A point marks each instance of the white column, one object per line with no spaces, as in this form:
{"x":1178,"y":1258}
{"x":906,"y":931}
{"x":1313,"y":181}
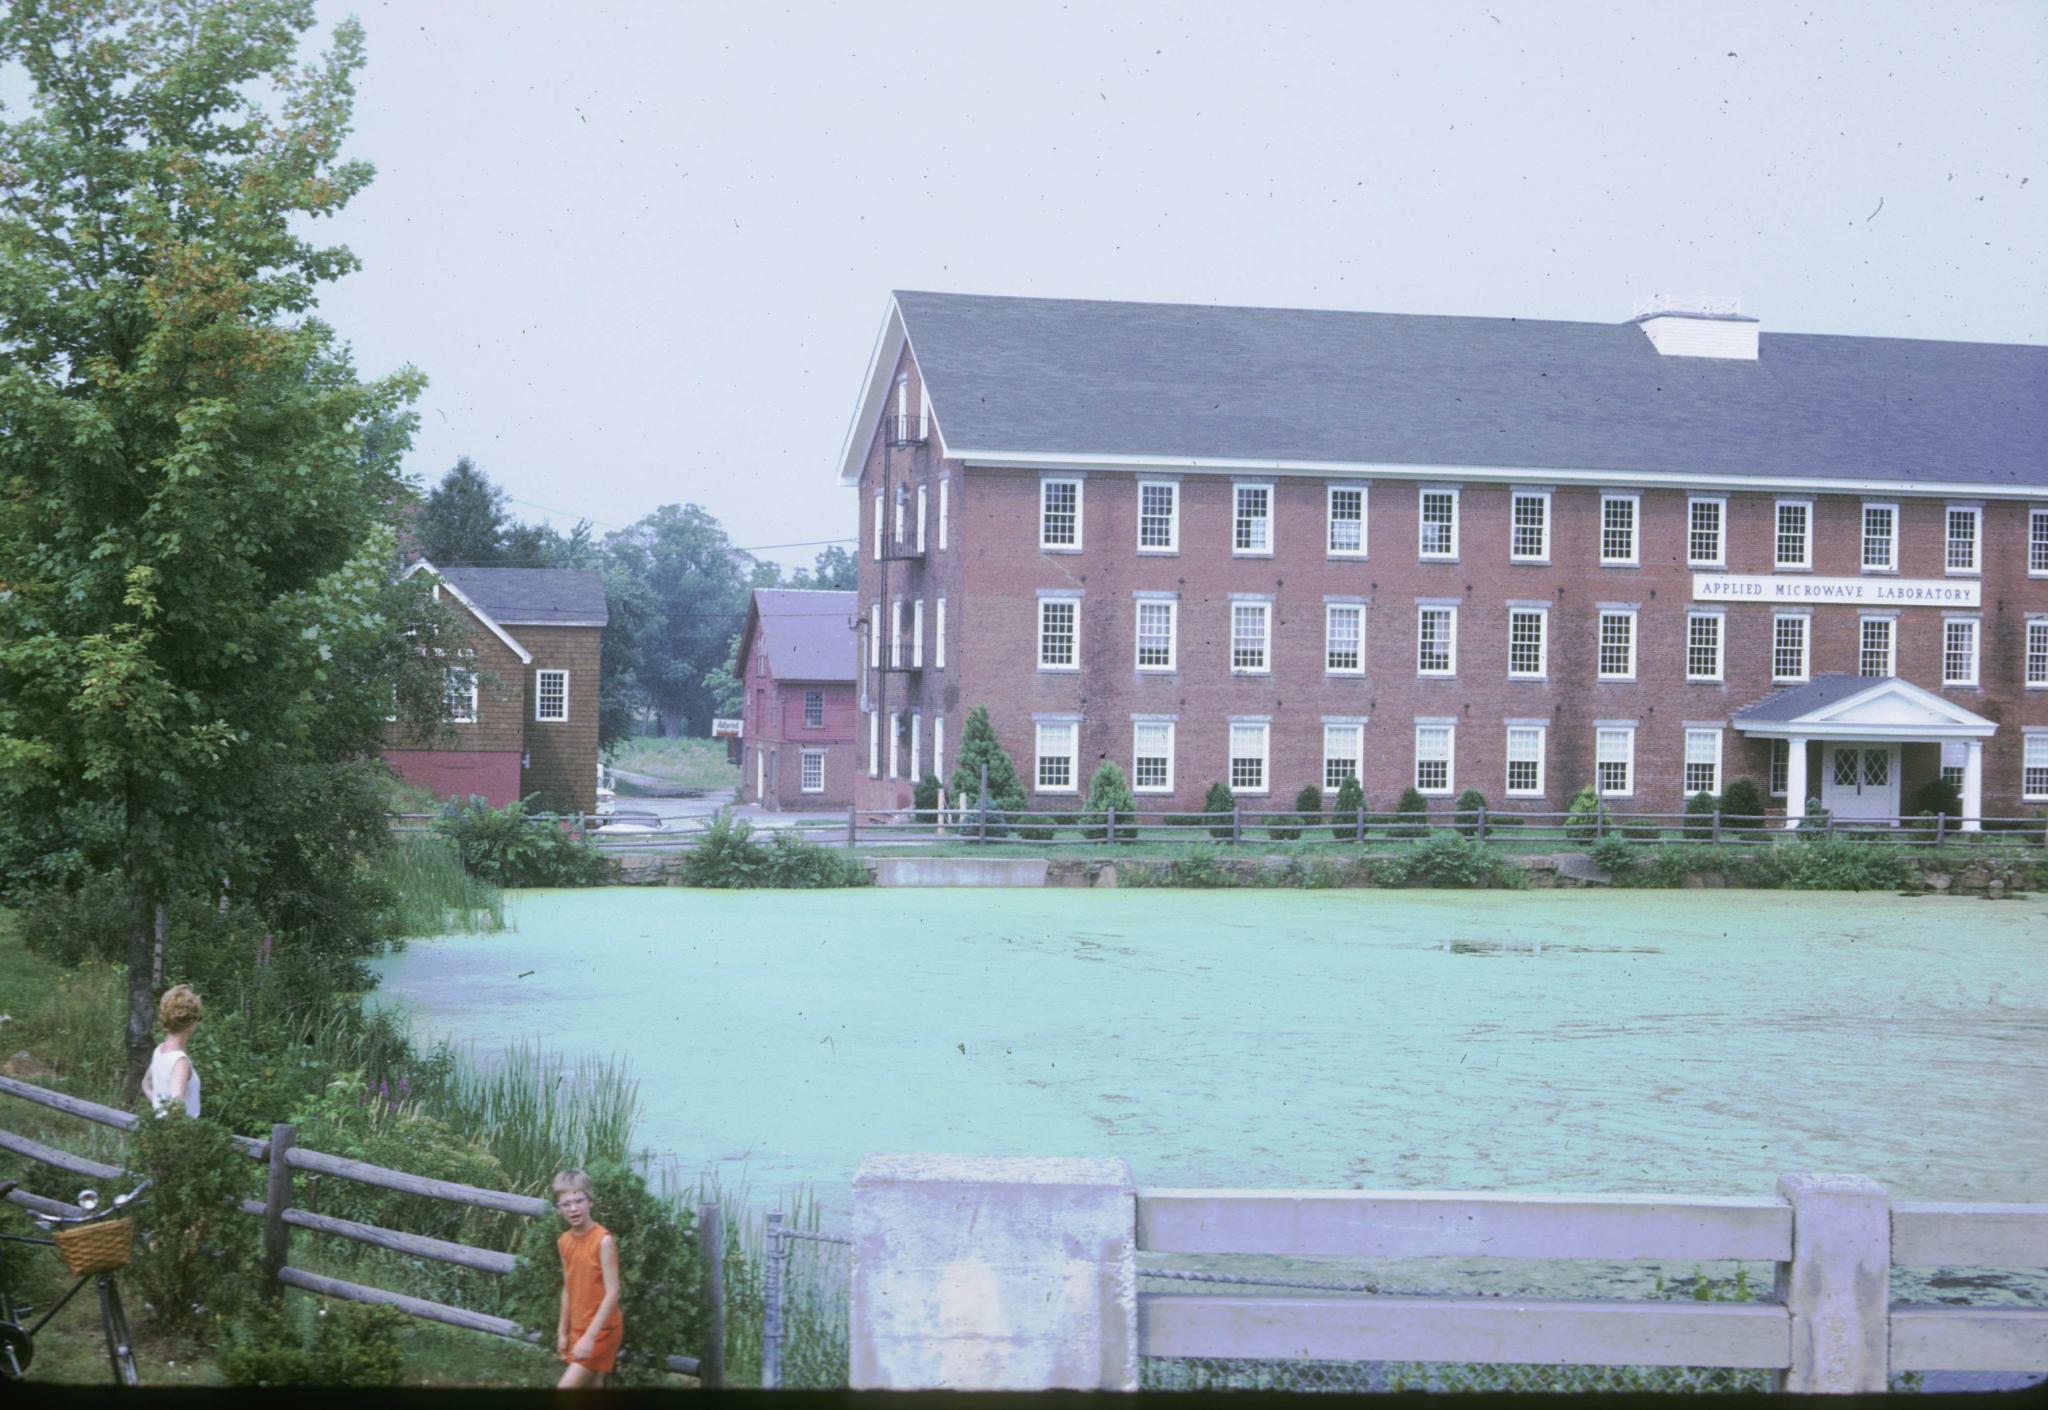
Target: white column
{"x":1973,"y":785}
{"x":994,"y":1273}
{"x":1795,"y":782}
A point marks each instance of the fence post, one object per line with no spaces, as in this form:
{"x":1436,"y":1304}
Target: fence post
{"x":1112,"y":825}
{"x":1599,"y":819}
{"x":277,"y":1198}
{"x":1361,"y":824}
{"x":1236,"y":823}
{"x":1717,"y":825}
{"x":851,"y":825}
{"x":1837,"y":1286}
{"x":711,"y":1240}
{"x":1940,"y":827}
{"x":1482,"y":822}
{"x":771,"y":1306}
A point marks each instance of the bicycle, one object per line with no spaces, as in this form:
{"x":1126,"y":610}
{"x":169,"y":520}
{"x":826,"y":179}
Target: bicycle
{"x":95,"y":1245}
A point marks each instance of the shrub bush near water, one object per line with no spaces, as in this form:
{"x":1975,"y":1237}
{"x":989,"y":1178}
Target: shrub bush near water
{"x":297,"y":1342}
{"x":508,"y":847}
{"x":198,"y":1258}
{"x":729,"y":858}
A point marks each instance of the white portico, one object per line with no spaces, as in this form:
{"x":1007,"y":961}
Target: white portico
{"x":1862,"y":725}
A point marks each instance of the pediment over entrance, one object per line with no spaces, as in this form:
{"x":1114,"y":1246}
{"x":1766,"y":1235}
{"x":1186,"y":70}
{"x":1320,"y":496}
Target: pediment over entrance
{"x":1861,"y":707}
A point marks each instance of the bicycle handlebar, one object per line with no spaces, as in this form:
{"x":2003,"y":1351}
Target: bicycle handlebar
{"x":91,"y":1214}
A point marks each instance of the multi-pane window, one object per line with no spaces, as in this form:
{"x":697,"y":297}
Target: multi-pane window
{"x":1058,"y":633}
{"x":1525,"y":760}
{"x":814,"y":709}
{"x":1875,"y":652}
{"x":1344,"y":638}
{"x":1965,"y":525}
{"x":458,"y":685}
{"x":1702,"y":761}
{"x":1252,"y":531}
{"x":2037,"y":541}
{"x":1880,"y":537}
{"x":1251,"y":636}
{"x":1959,"y":651}
{"x":1156,"y":616}
{"x":1703,"y":646}
{"x":1527,"y":649}
{"x":1158,"y":516}
{"x":1434,"y":745}
{"x":1781,"y":766}
{"x":1788,"y":646}
{"x":1059,"y":513}
{"x":2037,"y":651}
{"x":1795,"y":534}
{"x":1347,"y":520}
{"x":1057,"y":740}
{"x":1705,"y":541}
{"x":551,"y":695}
{"x":1614,"y":761}
{"x":1436,"y":641}
{"x":1343,"y":747}
{"x":811,"y":771}
{"x":1439,"y":524}
{"x":1152,"y":756}
{"x":2034,"y":769}
{"x":1248,"y":742}
{"x":1617,"y":645}
{"x":1618,"y":528}
{"x":1529,"y":527}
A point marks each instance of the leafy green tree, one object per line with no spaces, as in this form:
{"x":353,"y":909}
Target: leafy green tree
{"x":195,"y":534}
{"x":1350,"y":798}
{"x":690,"y":594}
{"x":463,"y":520}
{"x":728,"y":692}
{"x":979,"y":746}
{"x":1742,"y":806}
{"x":835,"y":570}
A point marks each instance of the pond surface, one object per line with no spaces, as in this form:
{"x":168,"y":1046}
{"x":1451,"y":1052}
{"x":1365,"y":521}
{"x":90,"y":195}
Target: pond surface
{"x":1694,"y":1042}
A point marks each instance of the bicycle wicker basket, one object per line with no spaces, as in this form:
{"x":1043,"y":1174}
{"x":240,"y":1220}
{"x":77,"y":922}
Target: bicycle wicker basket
{"x":97,"y":1248}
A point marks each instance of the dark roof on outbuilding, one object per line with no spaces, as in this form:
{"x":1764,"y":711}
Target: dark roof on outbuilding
{"x":809,"y":634}
{"x":1796,"y":701}
{"x":1083,"y":377}
{"x":533,"y":597}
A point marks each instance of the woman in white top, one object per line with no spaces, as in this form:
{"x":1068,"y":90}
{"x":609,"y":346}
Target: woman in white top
{"x":171,"y":1077}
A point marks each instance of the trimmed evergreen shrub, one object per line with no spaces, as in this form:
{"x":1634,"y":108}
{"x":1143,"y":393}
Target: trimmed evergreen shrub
{"x":1742,"y":807}
{"x":1308,"y":810}
{"x":924,"y":797}
{"x":1107,"y":790}
{"x":1699,"y":816}
{"x":1470,"y":802}
{"x":1344,"y":819}
{"x":1937,"y":795}
{"x":1580,"y":815}
{"x":1815,"y":824}
{"x":1411,"y":815}
{"x":978,"y":746}
{"x":1219,"y":799}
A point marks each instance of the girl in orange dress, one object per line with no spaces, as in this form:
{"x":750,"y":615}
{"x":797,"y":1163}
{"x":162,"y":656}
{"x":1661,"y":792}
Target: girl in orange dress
{"x":587,"y":1337}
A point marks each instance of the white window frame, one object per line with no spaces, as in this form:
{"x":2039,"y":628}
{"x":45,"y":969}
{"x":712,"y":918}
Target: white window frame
{"x":1172,"y":606}
{"x":805,"y":759}
{"x":1542,"y":616}
{"x":921,"y":505}
{"x":895,"y":744}
{"x":1634,"y":501}
{"x":1602,"y":736}
{"x":1330,"y":520}
{"x":896,"y":634}
{"x":1805,"y":620}
{"x":1238,"y":518}
{"x":452,"y":692}
{"x":1778,"y":559}
{"x":540,"y":695}
{"x":945,"y":483}
{"x":1172,"y":544}
{"x":1423,"y":494}
{"x":1450,"y":758}
{"x":901,"y":498}
{"x":1331,"y":610}
{"x":1542,"y":733}
{"x":1450,"y":669}
{"x":1975,"y":514}
{"x":916,"y":746}
{"x":1778,"y":771}
{"x":1686,"y":763}
{"x":939,"y":747}
{"x":1045,"y":484}
{"x":875,"y":635}
{"x":1041,"y":755}
{"x":1138,"y":727}
{"x":1354,"y":751}
{"x":1890,"y":622}
{"x":917,"y":632}
{"x":1891,"y":561}
{"x":1600,"y":671}
{"x":878,"y":526}
{"x":809,"y":696}
{"x":1264,"y":607}
{"x":874,"y":743}
{"x":1720,"y":505}
{"x":1264,"y":729}
{"x":1073,"y":605}
{"x":939,"y":634}
{"x":2034,"y":760}
{"x":2034,"y":653}
{"x":1720,"y":621}
{"x":2037,"y":542}
{"x":1541,"y":498}
{"x":1975,"y":626}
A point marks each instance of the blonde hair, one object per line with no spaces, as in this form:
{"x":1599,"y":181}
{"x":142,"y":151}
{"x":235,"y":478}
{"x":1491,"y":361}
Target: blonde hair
{"x":571,"y":1182}
{"x":179,"y":1011}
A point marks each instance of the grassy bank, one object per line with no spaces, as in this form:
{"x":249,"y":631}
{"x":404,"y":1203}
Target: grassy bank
{"x":682,"y":763}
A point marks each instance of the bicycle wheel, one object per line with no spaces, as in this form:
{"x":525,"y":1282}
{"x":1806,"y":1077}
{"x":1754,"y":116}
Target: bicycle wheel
{"x":120,"y":1351}
{"x":17,"y":1349}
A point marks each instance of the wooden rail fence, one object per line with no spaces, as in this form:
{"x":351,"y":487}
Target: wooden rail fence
{"x":283,"y":1156}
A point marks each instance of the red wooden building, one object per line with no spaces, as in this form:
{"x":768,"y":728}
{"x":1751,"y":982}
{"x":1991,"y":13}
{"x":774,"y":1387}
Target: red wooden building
{"x":796,"y":664}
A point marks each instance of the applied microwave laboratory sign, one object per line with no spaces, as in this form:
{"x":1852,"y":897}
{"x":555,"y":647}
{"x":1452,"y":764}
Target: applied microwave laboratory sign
{"x":1856,"y":592}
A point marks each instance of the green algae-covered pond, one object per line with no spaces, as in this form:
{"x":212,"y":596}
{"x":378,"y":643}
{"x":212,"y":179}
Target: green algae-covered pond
{"x":1590,"y":1041}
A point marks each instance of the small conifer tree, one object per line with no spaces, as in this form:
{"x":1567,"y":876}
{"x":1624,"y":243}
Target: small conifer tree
{"x":1219,"y":799}
{"x":1471,"y":803}
{"x":979,"y":746}
{"x":1350,"y":799}
{"x":1411,"y":813}
{"x":1107,"y":790}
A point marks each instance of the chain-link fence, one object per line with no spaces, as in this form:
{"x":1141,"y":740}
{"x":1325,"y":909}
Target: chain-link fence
{"x":806,"y":1285}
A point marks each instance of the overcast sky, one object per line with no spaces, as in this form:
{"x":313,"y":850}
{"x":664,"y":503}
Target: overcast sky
{"x":642,"y":250}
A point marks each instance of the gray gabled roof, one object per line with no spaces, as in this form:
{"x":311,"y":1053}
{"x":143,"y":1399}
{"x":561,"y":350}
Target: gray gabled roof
{"x":809,"y":634}
{"x":1797,"y":701}
{"x":533,"y":597}
{"x":1087,"y":378}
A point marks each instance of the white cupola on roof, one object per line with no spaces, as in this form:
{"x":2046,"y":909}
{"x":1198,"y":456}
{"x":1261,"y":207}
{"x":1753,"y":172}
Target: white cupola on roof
{"x":1698,"y":326}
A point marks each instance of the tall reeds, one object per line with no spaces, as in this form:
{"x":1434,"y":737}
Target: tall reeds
{"x":433,"y":894}
{"x":534,"y":1109}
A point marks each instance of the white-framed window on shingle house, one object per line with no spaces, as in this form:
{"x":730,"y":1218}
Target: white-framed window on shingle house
{"x":1346,"y":532}
{"x":1058,"y":742}
{"x":1880,"y":537}
{"x":1528,"y":641}
{"x":458,"y":683}
{"x":1438,"y":521}
{"x":1789,"y":640}
{"x":2037,"y":653}
{"x":1059,"y":632}
{"x":2037,"y":542}
{"x":551,"y":696}
{"x":1959,"y":650}
{"x":1252,"y":522}
{"x":1795,"y":534}
{"x":1158,"y":516}
{"x":1525,"y":759}
{"x":1151,"y":756}
{"x":1877,"y":645}
{"x":1343,"y":752}
{"x":1158,"y":616}
{"x":1251,"y":637}
{"x":1250,"y":753}
{"x":1617,"y":644}
{"x":1614,"y":760}
{"x":1059,"y":513}
{"x":1702,"y":761}
{"x":1703,"y":645}
{"x":1619,"y":513}
{"x":1706,"y":536}
{"x":1964,"y":546}
{"x":1435,"y":755}
{"x":1344,"y":638}
{"x":1529,"y":526}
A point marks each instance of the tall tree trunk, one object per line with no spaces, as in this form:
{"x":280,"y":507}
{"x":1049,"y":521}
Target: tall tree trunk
{"x":156,"y":959}
{"x":141,"y":994}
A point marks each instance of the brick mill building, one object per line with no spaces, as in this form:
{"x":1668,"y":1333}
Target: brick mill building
{"x":799,"y":721}
{"x":524,"y":702}
{"x":1276,"y":546}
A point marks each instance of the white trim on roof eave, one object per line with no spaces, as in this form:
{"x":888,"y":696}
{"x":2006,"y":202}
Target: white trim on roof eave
{"x":1895,"y":685}
{"x":853,"y":450}
{"x":525,"y":656}
{"x":1818,"y":730}
{"x":1062,"y":460}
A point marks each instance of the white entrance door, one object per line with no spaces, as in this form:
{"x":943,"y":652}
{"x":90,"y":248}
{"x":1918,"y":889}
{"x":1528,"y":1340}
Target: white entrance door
{"x":1860,"y":781}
